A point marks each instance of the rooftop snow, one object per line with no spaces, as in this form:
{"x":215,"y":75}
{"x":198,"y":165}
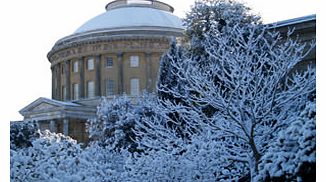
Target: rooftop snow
{"x":132,"y":16}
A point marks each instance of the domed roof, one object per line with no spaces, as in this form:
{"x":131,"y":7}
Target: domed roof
{"x":124,"y":19}
{"x":134,"y":15}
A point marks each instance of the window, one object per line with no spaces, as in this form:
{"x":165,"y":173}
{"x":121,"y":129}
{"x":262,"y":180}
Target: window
{"x":109,"y":62}
{"x":134,"y":87}
{"x":109,"y":87}
{"x":75,"y":88}
{"x":64,"y":93}
{"x":90,"y":89}
{"x":134,"y":61}
{"x":90,"y":63}
{"x":75,"y":66}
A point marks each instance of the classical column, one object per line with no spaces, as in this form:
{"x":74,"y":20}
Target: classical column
{"x":53,"y":127}
{"x":66,"y":127}
{"x":148,"y":72}
{"x":53,"y":82}
{"x":58,"y":68}
{"x":81,"y":78}
{"x":120,"y":74}
{"x":98,"y":75}
{"x":67,"y":79}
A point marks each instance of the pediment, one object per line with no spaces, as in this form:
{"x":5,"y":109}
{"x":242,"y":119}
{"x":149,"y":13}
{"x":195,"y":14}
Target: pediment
{"x":43,"y":106}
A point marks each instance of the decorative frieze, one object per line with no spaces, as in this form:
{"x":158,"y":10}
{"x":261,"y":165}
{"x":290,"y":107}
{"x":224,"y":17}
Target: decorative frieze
{"x":109,"y":47}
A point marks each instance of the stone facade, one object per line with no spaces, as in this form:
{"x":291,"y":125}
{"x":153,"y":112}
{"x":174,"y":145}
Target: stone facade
{"x":149,"y":51}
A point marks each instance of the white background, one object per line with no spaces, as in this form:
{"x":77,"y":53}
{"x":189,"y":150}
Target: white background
{"x":29,"y":29}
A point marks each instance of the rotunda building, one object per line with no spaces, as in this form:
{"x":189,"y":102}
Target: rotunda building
{"x":117,"y":52}
{"x":114,"y":53}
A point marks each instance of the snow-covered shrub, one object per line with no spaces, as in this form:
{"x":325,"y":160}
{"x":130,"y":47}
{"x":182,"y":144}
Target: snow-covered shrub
{"x":55,"y":157}
{"x":116,"y":119}
{"x":201,"y":159}
{"x":175,"y":164}
{"x":292,"y":156}
{"x":102,"y":163}
{"x":113,"y":123}
{"x":22,"y":133}
{"x":49,"y":157}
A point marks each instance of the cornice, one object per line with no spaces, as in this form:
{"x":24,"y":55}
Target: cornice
{"x":126,"y":33}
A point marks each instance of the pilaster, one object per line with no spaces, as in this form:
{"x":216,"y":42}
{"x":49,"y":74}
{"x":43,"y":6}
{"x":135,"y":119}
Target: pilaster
{"x":81,"y":78}
{"x":65,"y":127}
{"x":149,"y":80}
{"x":53,"y":127}
{"x":120,"y":72}
{"x":98,"y":75}
{"x":58,"y":89}
{"x":67,"y":80}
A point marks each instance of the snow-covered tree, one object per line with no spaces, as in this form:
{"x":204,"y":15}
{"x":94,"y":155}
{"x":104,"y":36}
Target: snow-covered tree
{"x":169,"y":78}
{"x":22,"y":133}
{"x":221,"y":13}
{"x":292,"y":155}
{"x":166,"y":74}
{"x":246,"y":86}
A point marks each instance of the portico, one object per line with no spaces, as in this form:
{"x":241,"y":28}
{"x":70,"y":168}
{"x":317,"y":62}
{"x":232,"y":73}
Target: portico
{"x":60,"y":117}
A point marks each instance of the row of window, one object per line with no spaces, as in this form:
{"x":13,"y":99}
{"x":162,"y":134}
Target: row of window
{"x":110,"y":88}
{"x":134,"y":62}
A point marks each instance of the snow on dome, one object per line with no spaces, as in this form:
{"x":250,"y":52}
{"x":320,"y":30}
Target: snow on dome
{"x":125,"y":15}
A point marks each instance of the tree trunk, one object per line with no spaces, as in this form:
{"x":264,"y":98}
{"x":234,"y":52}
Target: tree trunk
{"x":256,"y":153}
